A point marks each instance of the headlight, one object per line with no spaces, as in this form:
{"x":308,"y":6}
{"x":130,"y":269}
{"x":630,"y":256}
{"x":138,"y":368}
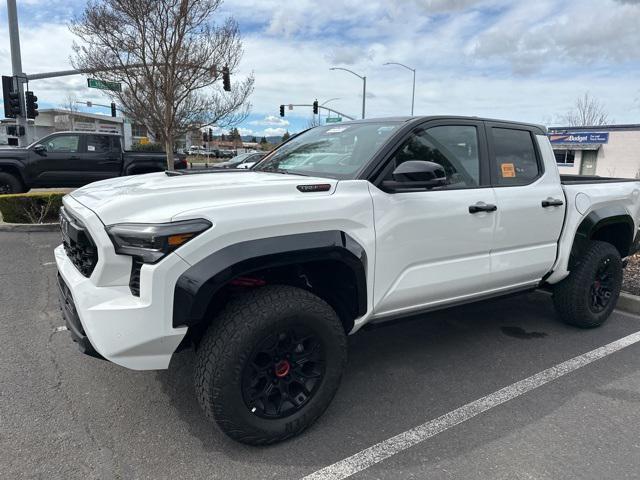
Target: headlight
{"x":152,"y":241}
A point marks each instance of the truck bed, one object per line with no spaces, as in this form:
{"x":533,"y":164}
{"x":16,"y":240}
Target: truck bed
{"x":589,"y":179}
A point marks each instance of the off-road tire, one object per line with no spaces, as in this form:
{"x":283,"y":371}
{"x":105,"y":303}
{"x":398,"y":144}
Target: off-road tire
{"x":11,"y":183}
{"x":229,"y":342}
{"x":572,"y":296}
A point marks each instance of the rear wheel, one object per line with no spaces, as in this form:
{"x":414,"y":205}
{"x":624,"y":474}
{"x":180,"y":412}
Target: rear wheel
{"x":10,"y":184}
{"x":589,"y":294}
{"x":271,"y":364}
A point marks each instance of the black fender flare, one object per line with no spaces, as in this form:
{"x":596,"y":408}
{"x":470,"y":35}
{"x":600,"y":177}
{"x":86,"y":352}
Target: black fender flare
{"x":8,"y":165}
{"x":595,"y":221}
{"x":199,"y":283}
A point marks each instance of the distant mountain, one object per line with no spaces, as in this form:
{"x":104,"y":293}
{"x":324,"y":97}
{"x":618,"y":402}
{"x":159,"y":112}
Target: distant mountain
{"x":248,"y":138}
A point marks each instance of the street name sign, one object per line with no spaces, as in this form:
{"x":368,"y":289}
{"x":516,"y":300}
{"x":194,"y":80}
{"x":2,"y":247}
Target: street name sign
{"x":102,"y":85}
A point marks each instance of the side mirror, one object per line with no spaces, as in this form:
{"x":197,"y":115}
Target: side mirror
{"x":416,"y":175}
{"x":39,"y":148}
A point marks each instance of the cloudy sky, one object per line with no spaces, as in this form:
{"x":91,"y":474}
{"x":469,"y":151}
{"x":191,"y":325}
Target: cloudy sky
{"x":519,"y":60}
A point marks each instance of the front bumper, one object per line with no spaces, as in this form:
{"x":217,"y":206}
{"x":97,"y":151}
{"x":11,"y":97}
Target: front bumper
{"x":135,"y":332}
{"x":102,"y":314}
{"x":72,"y":320}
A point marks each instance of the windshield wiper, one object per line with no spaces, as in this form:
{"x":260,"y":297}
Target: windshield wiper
{"x":283,"y":171}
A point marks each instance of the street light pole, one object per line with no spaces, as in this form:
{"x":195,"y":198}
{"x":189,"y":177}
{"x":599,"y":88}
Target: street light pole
{"x":327,"y":101}
{"x":364,"y":85}
{"x":413,"y":93}
{"x":364,"y":94}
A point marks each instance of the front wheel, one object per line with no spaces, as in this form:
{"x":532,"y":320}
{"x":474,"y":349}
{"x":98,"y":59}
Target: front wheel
{"x":10,"y":184}
{"x":589,"y":294}
{"x":271,"y":364}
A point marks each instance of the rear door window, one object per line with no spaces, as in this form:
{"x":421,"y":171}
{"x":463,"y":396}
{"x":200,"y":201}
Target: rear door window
{"x":115,"y":144}
{"x":98,"y":144}
{"x":514,"y":157}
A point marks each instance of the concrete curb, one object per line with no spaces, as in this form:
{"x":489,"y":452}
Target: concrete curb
{"x":629,"y":303}
{"x":29,"y":227}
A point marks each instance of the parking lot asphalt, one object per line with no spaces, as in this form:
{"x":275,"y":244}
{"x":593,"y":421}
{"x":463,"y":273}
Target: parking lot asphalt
{"x":65,"y":416}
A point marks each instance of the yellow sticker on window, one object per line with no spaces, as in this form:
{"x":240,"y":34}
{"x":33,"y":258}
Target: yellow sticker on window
{"x":508,"y":170}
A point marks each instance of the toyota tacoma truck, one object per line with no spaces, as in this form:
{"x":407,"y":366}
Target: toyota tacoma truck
{"x":264,"y":272}
{"x":72,"y":159}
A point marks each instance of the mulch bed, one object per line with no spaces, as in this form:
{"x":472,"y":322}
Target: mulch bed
{"x":631,"y":281}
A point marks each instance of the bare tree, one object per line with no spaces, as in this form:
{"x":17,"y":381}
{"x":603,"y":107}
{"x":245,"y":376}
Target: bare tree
{"x":169,"y":56}
{"x":314,"y":121}
{"x":70,"y":105}
{"x":587,"y":111}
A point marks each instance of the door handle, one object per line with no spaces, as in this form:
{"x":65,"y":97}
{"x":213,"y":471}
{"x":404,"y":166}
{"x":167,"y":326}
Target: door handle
{"x":482,"y":207}
{"x":552,"y":202}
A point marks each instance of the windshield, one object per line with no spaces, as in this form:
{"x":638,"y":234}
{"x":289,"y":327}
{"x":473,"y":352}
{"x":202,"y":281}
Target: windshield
{"x":240,"y":158}
{"x":336,"y":151}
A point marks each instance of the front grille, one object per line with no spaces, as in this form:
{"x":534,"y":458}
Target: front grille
{"x":134,"y":280}
{"x":78,"y":243}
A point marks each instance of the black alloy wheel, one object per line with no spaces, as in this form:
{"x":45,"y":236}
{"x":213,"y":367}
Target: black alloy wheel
{"x":283,"y":373}
{"x":270,"y":363}
{"x":589,"y":294}
{"x":602,"y":287}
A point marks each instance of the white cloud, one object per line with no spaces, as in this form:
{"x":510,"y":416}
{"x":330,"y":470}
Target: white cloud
{"x":245,"y":131}
{"x":273,"y":132}
{"x":534,"y":36}
{"x":500,"y":58}
{"x":270,"y":120}
{"x":349,"y":55}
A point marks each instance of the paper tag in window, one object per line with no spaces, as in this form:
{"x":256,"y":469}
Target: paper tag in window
{"x":508,"y":170}
{"x":91,"y":148}
{"x":336,"y":129}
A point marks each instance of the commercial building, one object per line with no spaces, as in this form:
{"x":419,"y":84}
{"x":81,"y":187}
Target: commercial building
{"x":606,"y":151}
{"x":52,"y":120}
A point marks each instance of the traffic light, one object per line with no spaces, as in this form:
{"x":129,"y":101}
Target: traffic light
{"x":210,"y":134}
{"x":32,"y":104}
{"x":15,"y":130}
{"x":315,"y":107}
{"x":113,"y":109}
{"x":12,"y":103}
{"x":282,"y":110}
{"x":226,"y":81}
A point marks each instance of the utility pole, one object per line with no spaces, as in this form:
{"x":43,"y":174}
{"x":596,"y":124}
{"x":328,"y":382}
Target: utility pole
{"x":16,"y":66}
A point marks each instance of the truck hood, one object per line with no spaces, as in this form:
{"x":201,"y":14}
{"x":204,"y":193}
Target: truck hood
{"x":158,"y":197}
{"x":13,"y":152}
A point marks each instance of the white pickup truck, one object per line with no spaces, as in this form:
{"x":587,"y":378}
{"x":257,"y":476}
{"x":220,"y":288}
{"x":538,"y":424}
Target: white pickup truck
{"x":265,"y":271}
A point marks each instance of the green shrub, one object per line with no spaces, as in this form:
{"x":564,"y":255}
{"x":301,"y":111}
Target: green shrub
{"x":148,"y":147}
{"x":31,"y":207}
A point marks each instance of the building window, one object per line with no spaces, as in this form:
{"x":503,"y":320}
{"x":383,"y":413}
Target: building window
{"x":138,"y":130}
{"x":565,"y":158}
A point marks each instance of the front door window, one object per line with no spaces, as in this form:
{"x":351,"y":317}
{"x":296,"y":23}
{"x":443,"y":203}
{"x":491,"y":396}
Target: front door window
{"x":63,"y":144}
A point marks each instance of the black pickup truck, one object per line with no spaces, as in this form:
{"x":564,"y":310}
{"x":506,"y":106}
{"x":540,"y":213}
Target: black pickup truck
{"x":73,"y":159}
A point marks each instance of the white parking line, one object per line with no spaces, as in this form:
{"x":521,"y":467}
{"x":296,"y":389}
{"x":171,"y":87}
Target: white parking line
{"x":387,"y":448}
